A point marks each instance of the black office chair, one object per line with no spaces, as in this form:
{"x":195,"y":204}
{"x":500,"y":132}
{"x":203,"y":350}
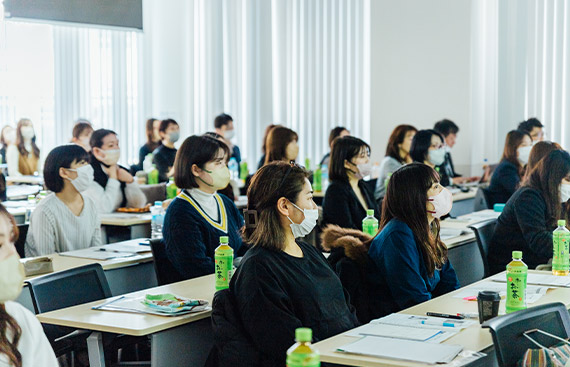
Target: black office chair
{"x":165,"y":271}
{"x":21,"y":241}
{"x":483,"y":233}
{"x":481,"y":199}
{"x":507,"y":331}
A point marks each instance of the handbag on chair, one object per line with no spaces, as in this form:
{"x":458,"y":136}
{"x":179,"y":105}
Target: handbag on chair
{"x":557,"y":355}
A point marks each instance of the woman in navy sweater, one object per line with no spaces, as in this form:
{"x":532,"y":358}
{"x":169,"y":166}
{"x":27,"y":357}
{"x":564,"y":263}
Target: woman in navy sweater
{"x":197,"y":218}
{"x":507,"y":175}
{"x":409,"y":260}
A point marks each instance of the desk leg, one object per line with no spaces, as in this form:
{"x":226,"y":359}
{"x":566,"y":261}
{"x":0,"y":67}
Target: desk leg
{"x":95,"y":350}
{"x":186,"y":345}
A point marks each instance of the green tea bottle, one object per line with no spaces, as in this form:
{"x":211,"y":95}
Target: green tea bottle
{"x":243,"y":171}
{"x":153,"y":176}
{"x":302,"y":353}
{"x":370,"y":223}
{"x":224,"y":262}
{"x":560,"y":241}
{"x":171,"y":189}
{"x":516,"y":283}
{"x":318,"y":179}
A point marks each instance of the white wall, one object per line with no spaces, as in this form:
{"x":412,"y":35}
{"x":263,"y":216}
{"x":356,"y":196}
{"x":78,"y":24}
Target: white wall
{"x":420,"y":69}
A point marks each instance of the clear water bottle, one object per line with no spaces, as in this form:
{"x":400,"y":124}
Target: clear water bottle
{"x":324,"y":176}
{"x":147,"y":163}
{"x":157,"y":220}
{"x":234,"y":169}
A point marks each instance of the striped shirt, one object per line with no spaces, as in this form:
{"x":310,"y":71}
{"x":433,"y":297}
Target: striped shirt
{"x":54,"y":228}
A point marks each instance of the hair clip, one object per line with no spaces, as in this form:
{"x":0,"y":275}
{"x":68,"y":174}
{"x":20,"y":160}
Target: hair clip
{"x":250,"y":217}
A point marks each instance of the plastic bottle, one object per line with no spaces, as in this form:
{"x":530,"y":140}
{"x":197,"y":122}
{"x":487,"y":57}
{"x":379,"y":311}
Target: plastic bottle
{"x":308,"y":164}
{"x":386,"y":180}
{"x":234,"y":169}
{"x":224,"y":260}
{"x":30,"y":208}
{"x":325,"y":176}
{"x":43,"y":194}
{"x":157,"y":220}
{"x":153,"y":176}
{"x":370,"y":223}
{"x":171,"y":189}
{"x":516,"y":283}
{"x":318,"y":179}
{"x":243,"y":171}
{"x":302,"y":353}
{"x":560,"y":242}
{"x":147,"y":163}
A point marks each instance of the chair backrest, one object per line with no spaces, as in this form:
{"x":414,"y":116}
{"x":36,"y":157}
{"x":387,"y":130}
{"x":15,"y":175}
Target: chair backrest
{"x":483,"y":233}
{"x":481,"y":200}
{"x":21,"y":241}
{"x":154,"y":192}
{"x":507,"y":331}
{"x":165,"y":271}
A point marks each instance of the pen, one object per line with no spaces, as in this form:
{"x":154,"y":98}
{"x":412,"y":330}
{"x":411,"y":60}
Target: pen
{"x":446,"y":316}
{"x":469,"y":315}
{"x":108,"y":250}
{"x":438,"y":323}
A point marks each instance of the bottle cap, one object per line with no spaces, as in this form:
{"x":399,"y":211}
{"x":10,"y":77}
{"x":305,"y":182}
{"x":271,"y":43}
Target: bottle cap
{"x":303,"y":334}
{"x":561,"y":223}
{"x":224,"y":239}
{"x":31,"y":197}
{"x":370,"y":212}
{"x":158,"y":203}
{"x":171,"y":179}
{"x":517,"y":254}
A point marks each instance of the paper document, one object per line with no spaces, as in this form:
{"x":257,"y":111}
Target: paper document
{"x":97,"y":253}
{"x":447,"y":233}
{"x":533,"y":292}
{"x":402,"y":332}
{"x":480,"y":216}
{"x":403,"y":350}
{"x":135,"y":305}
{"x":538,"y":279}
{"x":428,"y":322}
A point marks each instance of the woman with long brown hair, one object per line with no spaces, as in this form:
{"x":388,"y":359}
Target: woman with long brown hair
{"x":530,"y":216}
{"x":153,"y":141}
{"x":508,"y":174}
{"x":24,"y":157}
{"x":281,"y":145}
{"x":22,"y":340}
{"x":409,"y":260}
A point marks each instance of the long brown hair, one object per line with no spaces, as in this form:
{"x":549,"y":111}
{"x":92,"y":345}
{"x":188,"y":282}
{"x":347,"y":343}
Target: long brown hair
{"x":546,"y":178}
{"x":512,"y":141}
{"x":397,"y":137}
{"x":270,"y":183}
{"x":265,"y":135}
{"x":20,"y":140}
{"x":540,"y":150}
{"x":152,"y":145}
{"x":8,"y":325}
{"x":277,"y":140}
{"x":405,"y":200}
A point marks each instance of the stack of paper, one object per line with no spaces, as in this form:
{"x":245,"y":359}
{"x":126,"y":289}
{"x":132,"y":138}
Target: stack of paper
{"x":97,"y":253}
{"x":533,"y":292}
{"x":539,"y":279}
{"x":447,"y":233}
{"x":135,"y":305}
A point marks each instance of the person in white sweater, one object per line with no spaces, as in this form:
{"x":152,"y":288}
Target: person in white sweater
{"x":22,"y":339}
{"x":66,"y":219}
{"x":114,"y":186}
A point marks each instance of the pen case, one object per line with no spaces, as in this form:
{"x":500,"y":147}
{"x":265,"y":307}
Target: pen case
{"x":38,"y":265}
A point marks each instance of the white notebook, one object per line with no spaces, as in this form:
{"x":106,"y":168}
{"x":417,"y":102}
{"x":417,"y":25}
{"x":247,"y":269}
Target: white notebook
{"x":400,"y":349}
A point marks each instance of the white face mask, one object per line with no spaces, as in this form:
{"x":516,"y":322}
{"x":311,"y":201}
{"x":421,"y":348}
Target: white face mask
{"x":84,"y":178}
{"x":524,"y":153}
{"x":437,"y":156}
{"x":27,"y":132}
{"x":229,"y":134}
{"x":442,"y":203}
{"x":174,"y":136}
{"x":307,"y":225}
{"x":220,"y":178}
{"x":111,"y":156}
{"x":364,"y":169}
{"x":564,"y":192}
{"x":11,"y":278}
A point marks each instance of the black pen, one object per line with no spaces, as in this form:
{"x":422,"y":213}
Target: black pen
{"x":445,"y":315}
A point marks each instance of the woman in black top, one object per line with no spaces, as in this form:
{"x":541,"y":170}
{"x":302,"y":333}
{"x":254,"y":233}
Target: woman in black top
{"x":507,"y":175}
{"x":347,"y":198}
{"x":530,"y":216}
{"x":427,"y":148}
{"x":283,"y":283}
{"x":164,"y":155}
{"x":152,"y":142}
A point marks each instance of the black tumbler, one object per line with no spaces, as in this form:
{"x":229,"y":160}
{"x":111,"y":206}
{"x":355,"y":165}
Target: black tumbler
{"x":488,"y":303}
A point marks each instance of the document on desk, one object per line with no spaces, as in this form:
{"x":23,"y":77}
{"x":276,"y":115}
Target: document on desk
{"x":400,"y":349}
{"x":135,"y":305}
{"x":402,"y":332}
{"x":533,"y":292}
{"x":447,"y":233}
{"x":539,"y":279}
{"x":428,"y":322}
{"x":98,"y":253}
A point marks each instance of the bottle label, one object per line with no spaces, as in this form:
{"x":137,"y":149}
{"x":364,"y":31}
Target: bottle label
{"x":560,"y":256}
{"x":303,"y":360}
{"x":370,"y":227}
{"x":223,"y":269}
{"x":516,"y":288}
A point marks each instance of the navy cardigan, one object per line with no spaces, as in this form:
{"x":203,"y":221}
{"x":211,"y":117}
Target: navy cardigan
{"x":190,"y":236}
{"x":504,"y":183}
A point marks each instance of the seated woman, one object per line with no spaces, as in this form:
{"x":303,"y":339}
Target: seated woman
{"x":397,"y":154}
{"x":283,"y":283}
{"x":409,"y":260}
{"x":164,"y":155}
{"x":531,"y":214}
{"x":23,"y":158}
{"x":282,"y":145}
{"x":199,"y":216}
{"x":428,"y":148}
{"x":81,"y":134}
{"x":22,"y":339}
{"x":7,"y":138}
{"x":347,"y":198}
{"x":507,"y":176}
{"x":66,"y":219}
{"x":539,"y":150}
{"x":337,"y":132}
{"x":152,"y":142}
{"x":113,"y":186}
{"x":264,"y":145}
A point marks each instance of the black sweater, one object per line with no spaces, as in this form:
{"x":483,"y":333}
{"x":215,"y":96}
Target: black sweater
{"x":163,"y":158}
{"x":342,"y":207}
{"x":277,"y":293}
{"x":523,"y":226}
{"x":504,"y":183}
